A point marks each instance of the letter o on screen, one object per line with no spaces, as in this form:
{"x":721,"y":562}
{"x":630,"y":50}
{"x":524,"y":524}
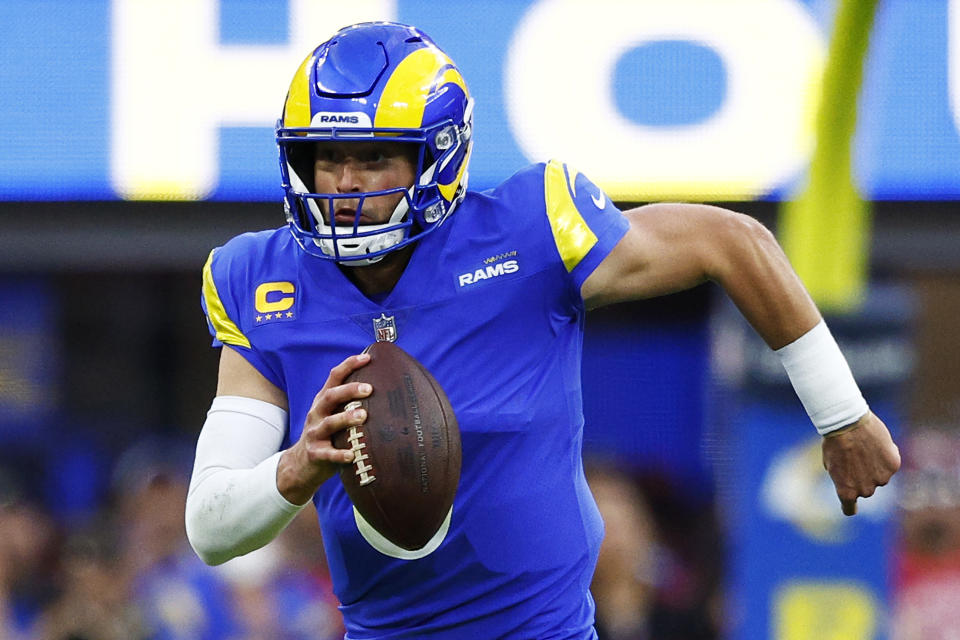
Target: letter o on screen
{"x":561,"y":102}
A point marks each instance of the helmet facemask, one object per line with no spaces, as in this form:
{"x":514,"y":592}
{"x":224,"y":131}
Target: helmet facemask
{"x":357,"y":243}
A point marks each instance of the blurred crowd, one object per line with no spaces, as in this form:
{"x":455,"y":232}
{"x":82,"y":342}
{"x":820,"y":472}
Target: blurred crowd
{"x":927,"y":560}
{"x":126,"y":572}
{"x":124,"y":569}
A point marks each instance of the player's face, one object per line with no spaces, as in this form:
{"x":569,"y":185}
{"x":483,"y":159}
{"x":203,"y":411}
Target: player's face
{"x":355,"y":167}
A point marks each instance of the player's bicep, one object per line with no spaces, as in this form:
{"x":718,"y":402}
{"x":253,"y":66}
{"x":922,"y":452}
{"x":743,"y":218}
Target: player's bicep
{"x":665,"y":249}
{"x":237,"y":377}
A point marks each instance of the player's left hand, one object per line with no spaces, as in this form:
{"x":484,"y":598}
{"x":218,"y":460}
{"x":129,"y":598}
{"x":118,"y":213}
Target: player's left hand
{"x":860,"y":458}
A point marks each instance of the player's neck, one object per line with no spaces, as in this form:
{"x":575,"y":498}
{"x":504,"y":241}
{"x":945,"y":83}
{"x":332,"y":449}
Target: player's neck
{"x":379,"y":277}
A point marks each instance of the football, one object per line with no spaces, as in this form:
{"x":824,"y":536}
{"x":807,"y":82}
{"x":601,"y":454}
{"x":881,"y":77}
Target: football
{"x":406,"y":464}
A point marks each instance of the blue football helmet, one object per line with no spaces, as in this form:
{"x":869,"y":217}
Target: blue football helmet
{"x":383,"y":80}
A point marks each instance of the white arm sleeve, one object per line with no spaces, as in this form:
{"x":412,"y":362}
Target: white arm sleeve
{"x":233,"y":505}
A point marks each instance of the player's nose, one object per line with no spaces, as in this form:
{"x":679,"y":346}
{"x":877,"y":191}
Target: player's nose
{"x":348,"y":176}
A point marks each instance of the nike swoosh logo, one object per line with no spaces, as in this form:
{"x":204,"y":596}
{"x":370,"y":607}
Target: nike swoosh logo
{"x":601,"y":202}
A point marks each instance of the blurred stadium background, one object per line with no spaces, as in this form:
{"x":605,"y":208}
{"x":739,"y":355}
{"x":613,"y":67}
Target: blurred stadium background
{"x":137,"y":135}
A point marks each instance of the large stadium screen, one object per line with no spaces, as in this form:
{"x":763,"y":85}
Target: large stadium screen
{"x":693,"y":99}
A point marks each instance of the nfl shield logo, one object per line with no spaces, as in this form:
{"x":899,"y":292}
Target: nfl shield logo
{"x":385,"y":328}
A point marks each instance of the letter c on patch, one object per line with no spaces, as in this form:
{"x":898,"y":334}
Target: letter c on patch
{"x":274,"y":296}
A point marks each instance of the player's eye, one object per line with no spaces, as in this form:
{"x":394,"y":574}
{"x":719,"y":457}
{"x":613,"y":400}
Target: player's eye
{"x":373,"y":156}
{"x":324,"y":155}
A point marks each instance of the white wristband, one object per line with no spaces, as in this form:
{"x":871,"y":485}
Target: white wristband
{"x":822,"y":380}
{"x":233,"y":505}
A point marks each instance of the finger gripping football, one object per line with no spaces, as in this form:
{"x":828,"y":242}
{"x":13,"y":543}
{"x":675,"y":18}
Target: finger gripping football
{"x":406,"y":464}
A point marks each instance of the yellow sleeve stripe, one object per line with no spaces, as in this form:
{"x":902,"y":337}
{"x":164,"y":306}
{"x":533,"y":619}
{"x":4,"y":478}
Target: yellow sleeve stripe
{"x":572,"y":235}
{"x":227,"y":331}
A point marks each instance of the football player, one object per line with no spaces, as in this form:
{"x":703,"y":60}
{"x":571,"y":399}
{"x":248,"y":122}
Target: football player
{"x":488,"y":290}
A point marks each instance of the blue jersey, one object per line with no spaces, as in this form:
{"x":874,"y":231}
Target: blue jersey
{"x":490,"y":304}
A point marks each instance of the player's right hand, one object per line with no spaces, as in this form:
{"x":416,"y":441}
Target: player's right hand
{"x":859,"y":459}
{"x":313,"y":459}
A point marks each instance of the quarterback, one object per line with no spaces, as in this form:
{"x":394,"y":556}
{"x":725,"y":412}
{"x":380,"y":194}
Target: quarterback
{"x":488,"y":290}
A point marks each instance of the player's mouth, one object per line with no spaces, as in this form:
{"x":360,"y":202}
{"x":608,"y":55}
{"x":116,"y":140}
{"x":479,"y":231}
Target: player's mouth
{"x":346,"y":216}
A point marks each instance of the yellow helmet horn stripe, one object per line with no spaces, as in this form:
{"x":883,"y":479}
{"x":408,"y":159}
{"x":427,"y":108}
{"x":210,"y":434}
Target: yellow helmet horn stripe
{"x":448,"y":191}
{"x":400,"y":109}
{"x":296,"y":111}
{"x":405,"y":95}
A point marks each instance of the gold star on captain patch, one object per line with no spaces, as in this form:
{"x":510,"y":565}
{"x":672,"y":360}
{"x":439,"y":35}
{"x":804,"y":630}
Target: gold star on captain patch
{"x":259,"y":318}
{"x":289,"y":314}
{"x":268,"y":316}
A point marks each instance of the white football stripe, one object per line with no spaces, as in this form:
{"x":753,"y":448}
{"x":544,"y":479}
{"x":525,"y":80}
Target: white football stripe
{"x":387,"y":548}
